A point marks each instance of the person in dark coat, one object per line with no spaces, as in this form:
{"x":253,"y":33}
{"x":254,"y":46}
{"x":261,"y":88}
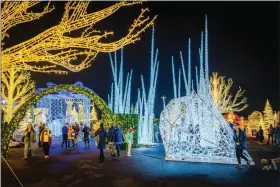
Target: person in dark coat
{"x":270,"y":134}
{"x":102,"y":133}
{"x":65,"y":135}
{"x":118,"y":140}
{"x":41,"y":128}
{"x":86,"y":134}
{"x":110,"y":134}
{"x":239,"y":138}
{"x":260,"y":135}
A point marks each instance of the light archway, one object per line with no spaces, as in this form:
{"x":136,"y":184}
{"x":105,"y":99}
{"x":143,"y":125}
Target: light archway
{"x":107,"y":115}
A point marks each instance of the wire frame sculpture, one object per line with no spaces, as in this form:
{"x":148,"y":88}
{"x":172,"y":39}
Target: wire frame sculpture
{"x":192,"y":129}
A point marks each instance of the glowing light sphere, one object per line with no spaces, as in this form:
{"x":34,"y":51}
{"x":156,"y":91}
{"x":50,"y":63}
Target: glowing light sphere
{"x":192,"y":129}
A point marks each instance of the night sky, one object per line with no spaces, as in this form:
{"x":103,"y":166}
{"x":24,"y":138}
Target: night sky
{"x":243,"y":45}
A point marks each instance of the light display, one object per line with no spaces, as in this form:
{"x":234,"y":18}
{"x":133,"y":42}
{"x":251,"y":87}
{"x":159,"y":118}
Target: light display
{"x":145,"y":103}
{"x":268,"y":118}
{"x":93,"y":114}
{"x":119,"y":100}
{"x":17,"y":87}
{"x":56,"y":45}
{"x":65,"y":107}
{"x":192,"y":128}
{"x":21,"y":112}
{"x":256,"y":120}
{"x":223,"y":99}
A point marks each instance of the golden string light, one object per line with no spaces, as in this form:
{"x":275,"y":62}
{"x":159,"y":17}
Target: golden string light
{"x":223,"y":99}
{"x":57,"y":49}
{"x":17,"y":87}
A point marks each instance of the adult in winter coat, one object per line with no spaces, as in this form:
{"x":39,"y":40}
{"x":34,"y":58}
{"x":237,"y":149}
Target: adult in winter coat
{"x":239,"y":138}
{"x":29,"y":140}
{"x":129,"y":140}
{"x":86,"y":134}
{"x":64,"y":135}
{"x":46,"y":141}
{"x":71,"y":136}
{"x":41,"y":128}
{"x":260,"y":135}
{"x":270,"y":134}
{"x":118,"y":140}
{"x":102,"y":133}
{"x":110,"y":134}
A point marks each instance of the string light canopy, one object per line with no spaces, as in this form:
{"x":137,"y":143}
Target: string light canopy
{"x":54,"y":50}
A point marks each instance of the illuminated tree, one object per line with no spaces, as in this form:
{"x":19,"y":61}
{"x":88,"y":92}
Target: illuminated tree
{"x":16,"y":89}
{"x":93,"y":115}
{"x":54,"y":50}
{"x":256,"y":120}
{"x":223,"y":99}
{"x":268,"y":117}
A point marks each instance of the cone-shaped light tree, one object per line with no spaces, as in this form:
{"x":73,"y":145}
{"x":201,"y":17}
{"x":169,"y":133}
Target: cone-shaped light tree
{"x":268,"y":118}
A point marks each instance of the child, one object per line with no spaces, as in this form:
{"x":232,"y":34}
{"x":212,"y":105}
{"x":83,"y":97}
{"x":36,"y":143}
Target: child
{"x":46,"y":141}
{"x":269,"y":164}
{"x":129,"y":140}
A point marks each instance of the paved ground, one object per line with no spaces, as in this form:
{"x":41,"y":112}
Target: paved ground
{"x":146,"y":167}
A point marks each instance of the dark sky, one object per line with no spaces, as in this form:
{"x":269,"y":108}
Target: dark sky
{"x":243,"y":45}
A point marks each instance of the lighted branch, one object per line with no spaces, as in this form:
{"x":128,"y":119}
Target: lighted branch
{"x":220,"y":92}
{"x":16,"y":88}
{"x":56,"y":46}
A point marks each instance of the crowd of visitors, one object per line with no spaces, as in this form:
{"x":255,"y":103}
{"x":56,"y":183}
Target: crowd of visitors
{"x":115,"y":137}
{"x":70,"y":135}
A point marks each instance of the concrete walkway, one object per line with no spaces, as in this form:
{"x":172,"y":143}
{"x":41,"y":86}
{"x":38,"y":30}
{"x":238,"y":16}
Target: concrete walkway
{"x":146,"y":167}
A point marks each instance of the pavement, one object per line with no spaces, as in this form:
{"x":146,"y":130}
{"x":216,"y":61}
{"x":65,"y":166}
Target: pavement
{"x":146,"y":167}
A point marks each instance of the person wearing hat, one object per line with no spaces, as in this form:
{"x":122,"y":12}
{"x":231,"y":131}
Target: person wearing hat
{"x":129,"y":140}
{"x":46,"y":141}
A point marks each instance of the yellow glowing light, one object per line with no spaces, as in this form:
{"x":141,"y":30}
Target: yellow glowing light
{"x":16,"y":89}
{"x":268,"y":117}
{"x":220,"y":92}
{"x":55,"y":46}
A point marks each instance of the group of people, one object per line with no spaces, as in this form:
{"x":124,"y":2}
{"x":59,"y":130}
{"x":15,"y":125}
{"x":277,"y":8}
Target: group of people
{"x":273,"y":135}
{"x":115,"y":138}
{"x":29,"y":138}
{"x":241,"y":146}
{"x":70,"y":135}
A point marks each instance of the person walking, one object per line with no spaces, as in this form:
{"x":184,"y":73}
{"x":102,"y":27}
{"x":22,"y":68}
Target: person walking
{"x":260,"y":135}
{"x":270,"y":134}
{"x":239,"y":138}
{"x":65,"y":135}
{"x":29,"y":140}
{"x":129,"y":140}
{"x":46,"y":140}
{"x":71,"y":136}
{"x":110,"y":134}
{"x":86,"y":134}
{"x":118,"y":140}
{"x":102,"y":133}
{"x":41,"y":128}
